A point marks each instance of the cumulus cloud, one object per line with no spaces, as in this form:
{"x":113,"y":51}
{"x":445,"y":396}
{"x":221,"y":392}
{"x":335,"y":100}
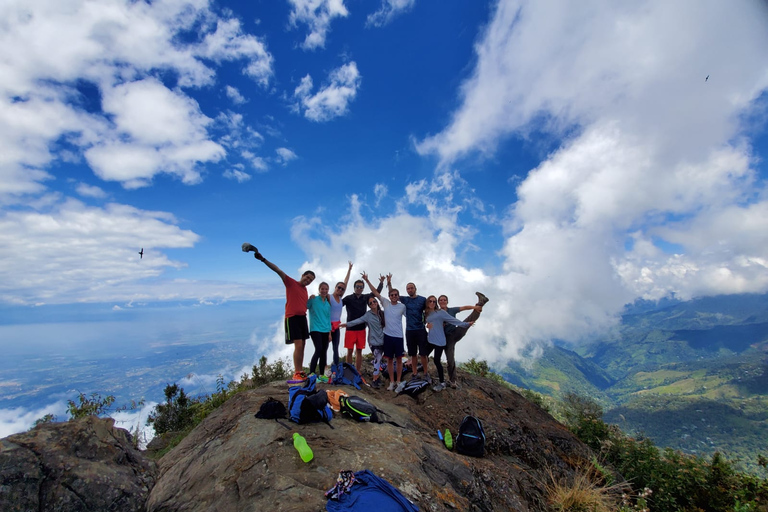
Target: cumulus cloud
{"x":113,"y":47}
{"x":86,"y":190}
{"x":333,"y":99}
{"x":155,"y":130}
{"x":237,"y":175}
{"x":317,"y":15}
{"x":653,"y":189}
{"x":285,"y":155}
{"x":388,"y":11}
{"x":234,"y":95}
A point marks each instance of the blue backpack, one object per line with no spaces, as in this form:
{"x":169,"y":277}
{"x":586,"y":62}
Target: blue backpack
{"x":347,"y":375}
{"x":370,"y":492}
{"x":307,"y":404}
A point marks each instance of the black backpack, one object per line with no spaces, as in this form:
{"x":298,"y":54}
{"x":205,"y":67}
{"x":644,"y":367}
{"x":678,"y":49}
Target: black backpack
{"x":471,"y":438}
{"x":358,"y":409}
{"x":272,"y":409}
{"x":414,"y":386}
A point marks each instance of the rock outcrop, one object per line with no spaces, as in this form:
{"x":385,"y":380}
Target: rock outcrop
{"x":236,"y":462}
{"x":79,"y":466}
{"x":233,"y":461}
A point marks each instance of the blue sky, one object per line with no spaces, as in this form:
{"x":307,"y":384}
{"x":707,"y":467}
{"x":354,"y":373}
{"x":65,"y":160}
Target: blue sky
{"x":566,"y":158}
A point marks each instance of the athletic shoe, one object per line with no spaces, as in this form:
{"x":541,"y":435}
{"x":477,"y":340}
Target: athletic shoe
{"x":323,"y":379}
{"x":391,"y":386}
{"x":481,"y":299}
{"x":400,"y":387}
{"x":298,"y":377}
{"x":375,"y":384}
{"x":439,"y":387}
{"x":454,"y":384}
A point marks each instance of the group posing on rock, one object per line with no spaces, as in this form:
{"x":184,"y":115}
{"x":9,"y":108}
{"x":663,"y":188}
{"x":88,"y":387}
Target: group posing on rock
{"x":431,"y":326}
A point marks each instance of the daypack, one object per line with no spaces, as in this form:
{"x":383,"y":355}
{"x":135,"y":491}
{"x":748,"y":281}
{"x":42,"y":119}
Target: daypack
{"x":272,"y":409}
{"x":358,"y":409}
{"x":471,"y":438}
{"x":347,"y":374}
{"x":306,"y":404}
{"x":333,"y":398}
{"x":414,"y":386}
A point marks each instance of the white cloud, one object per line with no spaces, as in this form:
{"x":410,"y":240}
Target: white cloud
{"x":14,"y":421}
{"x":234,"y":95}
{"x":285,"y":155}
{"x":155,"y":130}
{"x":653,"y":189}
{"x":388,"y":11}
{"x":333,"y":99}
{"x":109,"y":45}
{"x":237,"y":175}
{"x":86,"y":190}
{"x":257,"y":162}
{"x":317,"y":15}
{"x":380,"y":191}
{"x":73,"y":252}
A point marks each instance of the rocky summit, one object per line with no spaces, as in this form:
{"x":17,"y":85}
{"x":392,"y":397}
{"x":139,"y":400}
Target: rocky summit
{"x":233,"y":461}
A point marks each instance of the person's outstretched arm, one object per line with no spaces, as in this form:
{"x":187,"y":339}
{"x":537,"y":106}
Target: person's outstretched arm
{"x":271,"y":265}
{"x":374,"y":290}
{"x":346,"y":279}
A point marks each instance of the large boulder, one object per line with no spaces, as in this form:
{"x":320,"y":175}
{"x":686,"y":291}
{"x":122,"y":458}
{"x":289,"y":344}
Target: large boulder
{"x":235,"y":462}
{"x":79,"y":466}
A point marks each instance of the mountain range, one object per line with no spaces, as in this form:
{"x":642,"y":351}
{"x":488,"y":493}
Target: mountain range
{"x":689,"y":375}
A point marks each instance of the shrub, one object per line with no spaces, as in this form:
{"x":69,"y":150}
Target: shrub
{"x":481,"y":369}
{"x":94,"y":405}
{"x":580,"y":494}
{"x":264,"y":373}
{"x":175,"y":414}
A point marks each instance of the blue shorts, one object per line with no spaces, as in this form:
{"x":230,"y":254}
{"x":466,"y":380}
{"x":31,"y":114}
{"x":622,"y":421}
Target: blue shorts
{"x":393,"y":347}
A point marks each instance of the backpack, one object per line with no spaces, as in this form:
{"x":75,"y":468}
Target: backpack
{"x":333,"y":398}
{"x":471,"y":438}
{"x":358,"y":409}
{"x":414,"y":386}
{"x":347,"y":374}
{"x":306,"y":404}
{"x":272,"y":409}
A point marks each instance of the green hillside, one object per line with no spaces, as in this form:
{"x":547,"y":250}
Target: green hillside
{"x":691,"y":376}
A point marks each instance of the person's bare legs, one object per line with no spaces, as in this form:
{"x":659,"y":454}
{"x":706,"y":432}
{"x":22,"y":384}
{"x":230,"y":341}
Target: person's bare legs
{"x":359,"y":360}
{"x":400,"y":369}
{"x":425,"y":364}
{"x":414,"y":365}
{"x":349,"y":355}
{"x":298,"y":355}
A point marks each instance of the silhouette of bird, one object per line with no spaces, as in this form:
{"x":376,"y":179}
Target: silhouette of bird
{"x":141,"y":253}
{"x":706,"y":78}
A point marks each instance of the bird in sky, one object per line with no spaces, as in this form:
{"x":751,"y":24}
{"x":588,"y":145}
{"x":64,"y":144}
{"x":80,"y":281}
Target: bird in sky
{"x":706,"y":78}
{"x":141,"y":253}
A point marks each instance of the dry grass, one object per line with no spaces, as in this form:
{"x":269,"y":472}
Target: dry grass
{"x":581,"y":494}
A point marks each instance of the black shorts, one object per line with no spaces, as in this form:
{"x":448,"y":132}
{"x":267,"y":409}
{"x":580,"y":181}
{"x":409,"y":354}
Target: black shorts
{"x":296,"y":328}
{"x":417,"y":342}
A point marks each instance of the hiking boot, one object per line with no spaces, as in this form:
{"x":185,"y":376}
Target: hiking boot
{"x":481,"y":299}
{"x":400,"y":387}
{"x":454,"y":384}
{"x":375,"y":384}
{"x":391,"y":386}
{"x":249,"y":248}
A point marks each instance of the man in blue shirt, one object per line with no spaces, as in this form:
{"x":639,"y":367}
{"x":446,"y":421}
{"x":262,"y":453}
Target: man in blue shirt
{"x":415,"y":331}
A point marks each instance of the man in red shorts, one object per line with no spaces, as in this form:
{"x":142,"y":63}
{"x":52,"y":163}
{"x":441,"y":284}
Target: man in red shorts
{"x":356,"y":305}
{"x":296,"y":328}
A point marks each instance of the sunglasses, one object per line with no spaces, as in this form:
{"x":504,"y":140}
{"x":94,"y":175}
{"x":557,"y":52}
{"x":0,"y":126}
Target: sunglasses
{"x":371,"y":303}
{"x":358,"y":286}
{"x":340,"y":288}
{"x":431,"y":301}
{"x":394,"y":294}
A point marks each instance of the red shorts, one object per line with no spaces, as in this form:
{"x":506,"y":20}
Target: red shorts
{"x":354,"y":339}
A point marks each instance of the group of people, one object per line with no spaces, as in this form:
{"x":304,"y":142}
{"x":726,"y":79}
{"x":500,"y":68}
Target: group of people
{"x":431,"y":326}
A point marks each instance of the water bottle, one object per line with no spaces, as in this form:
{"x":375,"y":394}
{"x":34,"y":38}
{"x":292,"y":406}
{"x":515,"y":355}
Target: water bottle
{"x":302,"y":447}
{"x":448,"y":439}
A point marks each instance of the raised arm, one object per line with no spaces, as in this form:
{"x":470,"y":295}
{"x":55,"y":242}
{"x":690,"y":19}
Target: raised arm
{"x":269,"y":264}
{"x":346,"y":279}
{"x":374,"y":290}
{"x":389,"y":282}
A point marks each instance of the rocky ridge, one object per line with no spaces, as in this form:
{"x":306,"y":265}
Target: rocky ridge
{"x":233,"y":461}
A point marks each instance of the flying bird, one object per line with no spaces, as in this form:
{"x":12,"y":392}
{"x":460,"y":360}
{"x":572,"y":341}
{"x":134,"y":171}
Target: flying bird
{"x":706,"y":78}
{"x":141,"y":254}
